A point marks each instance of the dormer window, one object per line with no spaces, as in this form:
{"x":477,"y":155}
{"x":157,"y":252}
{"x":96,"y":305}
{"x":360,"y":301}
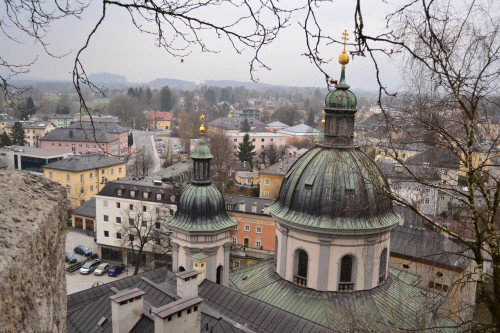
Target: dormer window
{"x":158,"y":196}
{"x":132,"y":194}
{"x":119,"y":192}
{"x":145,"y":195}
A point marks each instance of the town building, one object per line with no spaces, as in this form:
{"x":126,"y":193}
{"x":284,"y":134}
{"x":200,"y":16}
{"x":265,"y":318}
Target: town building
{"x":129,"y":211}
{"x":276,"y":126}
{"x":272,"y":177}
{"x":247,"y":113}
{"x":61,"y":120}
{"x":299,"y":135}
{"x":33,"y":131}
{"x":30,"y":159}
{"x":83,"y":137}
{"x":5,"y":120}
{"x":85,"y":175}
{"x":261,"y":140}
{"x":159,"y":120}
{"x":84,"y":216}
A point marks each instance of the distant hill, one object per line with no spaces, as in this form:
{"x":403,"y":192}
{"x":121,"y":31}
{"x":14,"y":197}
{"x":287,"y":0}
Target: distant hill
{"x":107,"y":78}
{"x":171,"y":83}
{"x":230,"y":83}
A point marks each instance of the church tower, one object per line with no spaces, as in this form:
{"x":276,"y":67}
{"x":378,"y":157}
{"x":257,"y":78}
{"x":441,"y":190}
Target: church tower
{"x":201,"y":228}
{"x":333,"y":221}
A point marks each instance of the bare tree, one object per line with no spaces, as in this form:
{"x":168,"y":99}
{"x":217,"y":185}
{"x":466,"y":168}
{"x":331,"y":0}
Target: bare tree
{"x":271,"y":154}
{"x":145,"y":230}
{"x":140,"y":164}
{"x":223,"y":157}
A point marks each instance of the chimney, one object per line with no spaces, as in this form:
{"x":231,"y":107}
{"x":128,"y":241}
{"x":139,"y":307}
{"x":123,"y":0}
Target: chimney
{"x":254,"y":207}
{"x":266,"y":209}
{"x":241,"y":206}
{"x":187,"y":284}
{"x":182,"y":316}
{"x":126,"y":309}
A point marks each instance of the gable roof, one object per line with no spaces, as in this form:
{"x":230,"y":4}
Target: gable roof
{"x":436,"y":157}
{"x":277,"y":124}
{"x":88,"y":161}
{"x":87,"y":209}
{"x":299,"y":130}
{"x":234,"y":123}
{"x":280,"y":167}
{"x":107,"y":126}
{"x":72,"y":134}
{"x":159,"y":115}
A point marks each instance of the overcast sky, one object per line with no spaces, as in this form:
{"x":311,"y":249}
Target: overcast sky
{"x":119,"y":48}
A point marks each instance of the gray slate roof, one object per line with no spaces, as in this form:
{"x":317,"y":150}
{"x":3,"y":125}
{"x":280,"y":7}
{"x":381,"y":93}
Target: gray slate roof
{"x":233,"y":203}
{"x":301,"y":129}
{"x":88,"y":161}
{"x":79,"y":135}
{"x":109,"y":127}
{"x":87,"y":209}
{"x":127,"y":184}
{"x":234,"y":123}
{"x":436,"y":157}
{"x":281,"y":167}
{"x":223,"y":309}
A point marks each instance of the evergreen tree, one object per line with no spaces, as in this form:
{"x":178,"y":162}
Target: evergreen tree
{"x":17,"y":134}
{"x":30,"y":105}
{"x":166,"y":100}
{"x":310,"y":118}
{"x":130,"y":139}
{"x":246,"y":150}
{"x":5,"y":140}
{"x":245,"y":126}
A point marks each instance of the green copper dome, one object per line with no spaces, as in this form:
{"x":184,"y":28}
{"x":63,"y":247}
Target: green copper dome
{"x":201,"y":151}
{"x":201,"y":209}
{"x":341,"y":98}
{"x":331,"y":189}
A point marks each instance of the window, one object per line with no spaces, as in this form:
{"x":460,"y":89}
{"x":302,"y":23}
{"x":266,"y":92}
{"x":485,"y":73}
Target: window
{"x":247,"y":227}
{"x":262,"y":140}
{"x":158,"y":196}
{"x":131,"y":207}
{"x":60,"y":145}
{"x":300,"y":267}
{"x":258,"y":244}
{"x":119,"y":235}
{"x":112,"y":171}
{"x":120,"y":170}
{"x":103,"y":172}
{"x":235,"y":140}
{"x":145,"y":195}
{"x":258,"y":229}
{"x":266,"y":181}
{"x":119,"y":192}
{"x":157,"y":225}
{"x":106,"y":218}
{"x":91,"y":187}
{"x":131,"y":221}
{"x":266,"y":194}
{"x":426,"y":200}
{"x":144,"y":208}
{"x":132,"y":194}
{"x":91,"y":175}
{"x":81,"y":179}
{"x":157,"y":209}
{"x":235,"y":240}
{"x":346,"y":269}
{"x":118,"y":220}
{"x":68,"y":178}
{"x":383,"y":266}
{"x":103,"y":181}
{"x":105,"y":203}
{"x":118,"y":205}
{"x":144,"y":223}
{"x":68,"y":189}
{"x":82,"y":190}
{"x":106,"y":233}
{"x":236,"y":264}
{"x":52,"y":144}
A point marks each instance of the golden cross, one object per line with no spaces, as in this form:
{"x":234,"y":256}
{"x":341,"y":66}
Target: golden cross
{"x":344,"y":37}
{"x":202,"y":119}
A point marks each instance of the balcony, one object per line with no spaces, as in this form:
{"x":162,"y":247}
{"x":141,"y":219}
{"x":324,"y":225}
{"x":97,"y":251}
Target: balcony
{"x":346,"y":286}
{"x":300,"y":280}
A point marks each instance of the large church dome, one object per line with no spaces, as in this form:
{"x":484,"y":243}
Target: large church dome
{"x":332,"y":189}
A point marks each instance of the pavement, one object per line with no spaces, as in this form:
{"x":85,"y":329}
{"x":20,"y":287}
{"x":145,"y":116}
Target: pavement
{"x":77,"y":282}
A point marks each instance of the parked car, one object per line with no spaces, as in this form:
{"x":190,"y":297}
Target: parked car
{"x":116,"y":270}
{"x":89,"y":266}
{"x":83,"y":250}
{"x":70,"y":258}
{"x":101,"y":269}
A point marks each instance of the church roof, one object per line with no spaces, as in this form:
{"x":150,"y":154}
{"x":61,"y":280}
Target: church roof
{"x":392,"y":307}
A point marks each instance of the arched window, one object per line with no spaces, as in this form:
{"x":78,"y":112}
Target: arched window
{"x":346,"y":273}
{"x":301,"y":263}
{"x":383,"y":266}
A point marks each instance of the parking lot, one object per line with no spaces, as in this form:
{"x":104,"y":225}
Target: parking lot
{"x":77,"y":282}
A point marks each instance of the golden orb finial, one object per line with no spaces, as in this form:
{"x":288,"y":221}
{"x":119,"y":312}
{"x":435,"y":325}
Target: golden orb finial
{"x":344,"y":57}
{"x":323,"y":121}
{"x":202,"y":125}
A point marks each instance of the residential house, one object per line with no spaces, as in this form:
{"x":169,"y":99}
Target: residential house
{"x":5,"y":120}
{"x":30,"y":159}
{"x":33,"y":131}
{"x":254,"y":236}
{"x":128,"y":201}
{"x":85,"y":175}
{"x":272,"y":177}
{"x":261,"y":140}
{"x":61,"y":120}
{"x":159,"y":120}
{"x":299,"y":135}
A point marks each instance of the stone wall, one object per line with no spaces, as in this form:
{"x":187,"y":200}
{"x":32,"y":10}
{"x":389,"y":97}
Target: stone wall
{"x":33,"y":215}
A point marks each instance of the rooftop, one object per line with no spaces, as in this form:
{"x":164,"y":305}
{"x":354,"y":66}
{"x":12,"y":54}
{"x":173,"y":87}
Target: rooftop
{"x":72,"y":134}
{"x":88,"y":161}
{"x":299,"y":130}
